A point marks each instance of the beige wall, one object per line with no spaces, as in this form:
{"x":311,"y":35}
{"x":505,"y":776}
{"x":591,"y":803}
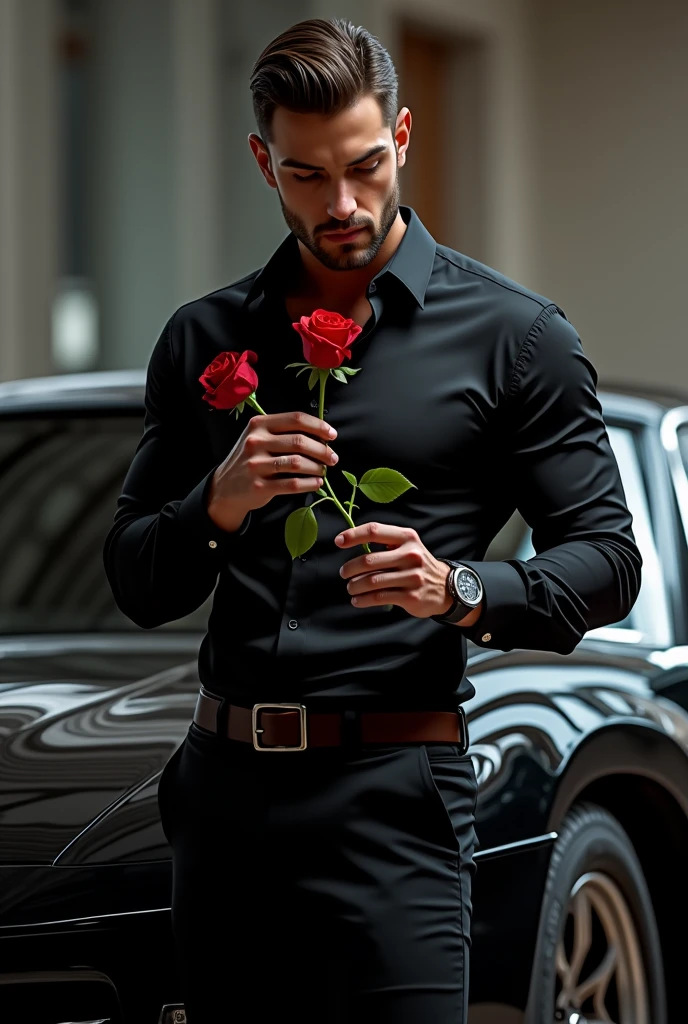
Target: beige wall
{"x":610,"y":171}
{"x":499,"y":26}
{"x":29,"y":190}
{"x":585,"y":153}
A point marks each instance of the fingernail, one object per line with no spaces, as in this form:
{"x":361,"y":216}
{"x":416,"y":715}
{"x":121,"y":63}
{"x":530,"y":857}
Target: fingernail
{"x":333,"y":432}
{"x":339,"y":539}
{"x":334,"y":457}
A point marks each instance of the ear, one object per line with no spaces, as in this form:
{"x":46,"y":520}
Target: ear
{"x":262,"y":155}
{"x":402,"y":134}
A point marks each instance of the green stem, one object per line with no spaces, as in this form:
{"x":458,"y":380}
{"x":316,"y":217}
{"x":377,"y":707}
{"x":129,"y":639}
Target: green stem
{"x":338,"y":503}
{"x":365,"y":546}
{"x":252,"y":401}
{"x":322,"y":376}
{"x":350,"y":503}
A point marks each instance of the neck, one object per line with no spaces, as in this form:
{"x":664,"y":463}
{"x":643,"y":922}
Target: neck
{"x":332,"y":287}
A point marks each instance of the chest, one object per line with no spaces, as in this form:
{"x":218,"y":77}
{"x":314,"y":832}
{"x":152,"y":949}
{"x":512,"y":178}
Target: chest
{"x":420,"y":402}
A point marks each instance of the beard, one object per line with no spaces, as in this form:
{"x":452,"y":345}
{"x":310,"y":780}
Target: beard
{"x":350,"y":256}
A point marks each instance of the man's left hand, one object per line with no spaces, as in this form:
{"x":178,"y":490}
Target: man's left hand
{"x":406,"y":574}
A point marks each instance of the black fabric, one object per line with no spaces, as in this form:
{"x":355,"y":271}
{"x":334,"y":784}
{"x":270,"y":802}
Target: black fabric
{"x":475,"y":388}
{"x":334,"y":886}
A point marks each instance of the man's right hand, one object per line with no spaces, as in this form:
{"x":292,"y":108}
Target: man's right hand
{"x":270,"y":446}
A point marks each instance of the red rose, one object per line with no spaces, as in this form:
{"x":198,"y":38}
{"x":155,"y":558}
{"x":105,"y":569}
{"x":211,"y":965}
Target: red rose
{"x":326,"y":338}
{"x":229,"y":379}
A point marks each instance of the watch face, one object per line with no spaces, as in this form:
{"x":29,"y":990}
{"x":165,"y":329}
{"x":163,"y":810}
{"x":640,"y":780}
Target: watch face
{"x":468,"y":586}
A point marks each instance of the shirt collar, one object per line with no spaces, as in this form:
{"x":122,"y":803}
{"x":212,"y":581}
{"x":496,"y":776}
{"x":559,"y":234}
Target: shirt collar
{"x":411,"y":264}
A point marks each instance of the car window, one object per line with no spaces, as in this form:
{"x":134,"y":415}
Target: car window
{"x":60,"y":478}
{"x":648,"y":620}
{"x":682,"y":435}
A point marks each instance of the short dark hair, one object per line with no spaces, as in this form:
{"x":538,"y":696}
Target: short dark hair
{"x":322,"y":66}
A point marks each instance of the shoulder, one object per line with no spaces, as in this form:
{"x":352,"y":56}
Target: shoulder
{"x":499,"y":300}
{"x":210,"y":311}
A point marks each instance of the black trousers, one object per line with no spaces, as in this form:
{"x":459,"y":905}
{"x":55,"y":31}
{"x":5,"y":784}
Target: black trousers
{"x":332,"y":884}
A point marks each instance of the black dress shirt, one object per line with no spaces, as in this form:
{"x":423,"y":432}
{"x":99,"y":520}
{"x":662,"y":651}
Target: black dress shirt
{"x":476,"y":389}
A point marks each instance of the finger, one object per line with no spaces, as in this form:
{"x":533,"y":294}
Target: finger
{"x":300,"y":444}
{"x":269,"y":465}
{"x":398,"y":558}
{"x":375,"y":533}
{"x":289,"y":484}
{"x":406,"y":579}
{"x":284,"y":422}
{"x":389,"y":595}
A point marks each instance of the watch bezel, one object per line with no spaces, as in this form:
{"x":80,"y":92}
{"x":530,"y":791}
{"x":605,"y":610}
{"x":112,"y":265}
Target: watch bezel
{"x":456,"y":594}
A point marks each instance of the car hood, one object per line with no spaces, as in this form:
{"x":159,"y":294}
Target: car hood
{"x":84,"y":722}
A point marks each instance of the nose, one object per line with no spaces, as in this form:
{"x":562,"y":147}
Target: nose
{"x":341,"y":204}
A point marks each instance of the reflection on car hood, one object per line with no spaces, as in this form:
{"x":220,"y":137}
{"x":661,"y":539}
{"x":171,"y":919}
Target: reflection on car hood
{"x":81,"y":726}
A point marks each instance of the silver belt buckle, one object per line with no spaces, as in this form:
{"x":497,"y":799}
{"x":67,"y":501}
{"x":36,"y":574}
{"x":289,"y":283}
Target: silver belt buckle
{"x":257,"y":708}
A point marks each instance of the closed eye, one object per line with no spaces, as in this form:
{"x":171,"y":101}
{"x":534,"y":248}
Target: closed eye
{"x":316,"y":174}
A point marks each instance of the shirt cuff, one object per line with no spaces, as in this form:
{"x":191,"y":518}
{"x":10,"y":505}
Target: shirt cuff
{"x":504,"y":606}
{"x":192,"y":516}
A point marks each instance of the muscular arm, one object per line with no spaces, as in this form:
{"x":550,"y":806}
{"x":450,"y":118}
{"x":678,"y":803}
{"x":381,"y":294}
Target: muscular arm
{"x":562,"y":471}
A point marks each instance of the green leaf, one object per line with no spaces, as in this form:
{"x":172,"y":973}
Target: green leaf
{"x":306,"y":367}
{"x":351,"y":478}
{"x":339,"y":375}
{"x":384,"y":484}
{"x":313,"y":379}
{"x":348,"y":370}
{"x":322,"y":491}
{"x":300,"y":531}
{"x":289,"y":365}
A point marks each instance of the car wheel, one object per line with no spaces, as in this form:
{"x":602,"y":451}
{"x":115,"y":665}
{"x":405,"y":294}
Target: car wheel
{"x":598,"y":955}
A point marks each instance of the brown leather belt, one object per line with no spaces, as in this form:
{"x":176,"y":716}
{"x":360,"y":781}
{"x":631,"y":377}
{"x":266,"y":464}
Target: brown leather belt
{"x":289,"y":727}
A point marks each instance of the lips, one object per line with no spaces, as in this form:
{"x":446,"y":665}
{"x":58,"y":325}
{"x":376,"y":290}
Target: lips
{"x":344,"y":236}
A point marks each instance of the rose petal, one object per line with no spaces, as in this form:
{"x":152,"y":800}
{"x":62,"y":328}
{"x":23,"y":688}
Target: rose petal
{"x":230,"y":379}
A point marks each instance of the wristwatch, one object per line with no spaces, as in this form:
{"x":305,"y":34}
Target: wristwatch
{"x":465,"y":588}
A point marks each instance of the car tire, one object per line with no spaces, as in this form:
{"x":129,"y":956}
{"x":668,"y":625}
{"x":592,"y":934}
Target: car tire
{"x":596,"y":898}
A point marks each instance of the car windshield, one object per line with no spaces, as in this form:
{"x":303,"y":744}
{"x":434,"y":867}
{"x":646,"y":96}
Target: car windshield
{"x":60,"y":477}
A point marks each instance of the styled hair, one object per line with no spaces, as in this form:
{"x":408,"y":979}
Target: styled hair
{"x":322,"y":66}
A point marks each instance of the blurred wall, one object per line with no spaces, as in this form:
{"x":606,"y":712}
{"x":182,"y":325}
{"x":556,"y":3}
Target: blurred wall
{"x":610,"y":169}
{"x":125,"y":169}
{"x":29,"y":201}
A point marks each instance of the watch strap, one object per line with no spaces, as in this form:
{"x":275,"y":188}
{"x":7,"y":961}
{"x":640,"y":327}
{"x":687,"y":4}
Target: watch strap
{"x":459,"y":609}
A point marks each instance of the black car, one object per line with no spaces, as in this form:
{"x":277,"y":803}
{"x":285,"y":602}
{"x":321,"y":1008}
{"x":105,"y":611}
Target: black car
{"x":582,"y":760}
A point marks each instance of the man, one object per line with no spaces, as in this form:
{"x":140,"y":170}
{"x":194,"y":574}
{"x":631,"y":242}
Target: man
{"x":334,"y":881}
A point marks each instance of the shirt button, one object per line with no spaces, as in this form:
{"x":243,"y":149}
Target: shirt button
{"x":373,"y":288}
{"x":212,"y":543}
{"x":293,"y":623}
{"x":314,"y":405}
{"x":486,"y":637}
{"x":304,"y":558}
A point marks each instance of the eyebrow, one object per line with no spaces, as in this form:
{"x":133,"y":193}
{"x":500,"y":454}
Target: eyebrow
{"x":289,"y":162}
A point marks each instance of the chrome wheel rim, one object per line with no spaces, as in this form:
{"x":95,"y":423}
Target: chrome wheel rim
{"x":601,"y":976}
